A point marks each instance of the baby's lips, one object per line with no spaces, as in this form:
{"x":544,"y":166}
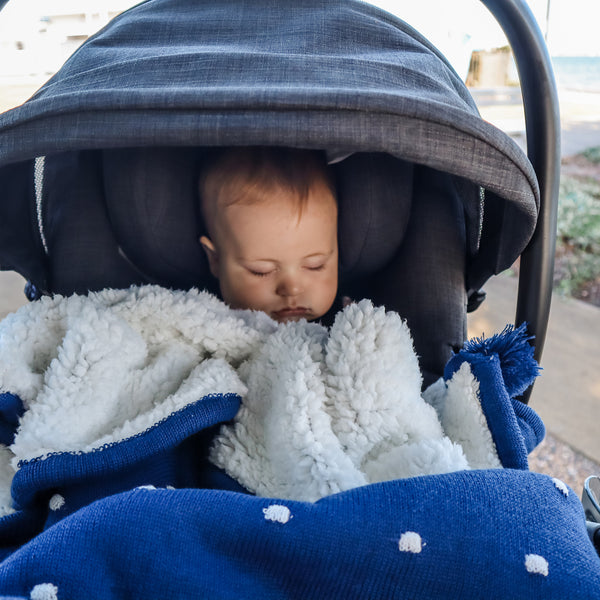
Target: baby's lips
{"x":292,"y":313}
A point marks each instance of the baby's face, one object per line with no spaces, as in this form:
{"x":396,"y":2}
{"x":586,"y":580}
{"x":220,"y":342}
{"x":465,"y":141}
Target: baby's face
{"x":267,"y":258}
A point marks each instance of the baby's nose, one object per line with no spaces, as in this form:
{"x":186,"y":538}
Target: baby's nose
{"x":289,"y":286}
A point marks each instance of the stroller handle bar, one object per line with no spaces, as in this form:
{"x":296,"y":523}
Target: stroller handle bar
{"x":542,"y":123}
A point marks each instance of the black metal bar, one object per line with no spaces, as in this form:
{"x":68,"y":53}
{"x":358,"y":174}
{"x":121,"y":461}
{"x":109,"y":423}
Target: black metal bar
{"x":542,"y":123}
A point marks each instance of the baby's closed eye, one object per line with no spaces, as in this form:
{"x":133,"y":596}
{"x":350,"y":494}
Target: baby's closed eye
{"x":260,"y":273}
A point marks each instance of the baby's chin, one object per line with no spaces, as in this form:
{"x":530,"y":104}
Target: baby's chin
{"x":293,"y":319}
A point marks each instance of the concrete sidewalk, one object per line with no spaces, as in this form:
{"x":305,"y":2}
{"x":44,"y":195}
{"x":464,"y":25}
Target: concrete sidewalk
{"x":579,"y":116}
{"x":11,"y":292}
{"x":567,"y":394}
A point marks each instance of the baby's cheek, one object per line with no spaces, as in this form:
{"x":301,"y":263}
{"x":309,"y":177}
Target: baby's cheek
{"x":254,"y":294}
{"x":326,"y":297}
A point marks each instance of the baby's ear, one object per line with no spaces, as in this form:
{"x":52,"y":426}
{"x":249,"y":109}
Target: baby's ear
{"x":211,"y":254}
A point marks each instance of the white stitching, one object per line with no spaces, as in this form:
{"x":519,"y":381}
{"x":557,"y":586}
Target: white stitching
{"x":38,"y":183}
{"x":536,"y":564}
{"x":277,"y":513}
{"x":410,"y":541}
{"x":561,"y":486}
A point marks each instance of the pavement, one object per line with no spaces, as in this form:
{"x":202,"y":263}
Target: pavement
{"x":579,"y":115}
{"x":567,"y":395}
{"x":12,"y":296}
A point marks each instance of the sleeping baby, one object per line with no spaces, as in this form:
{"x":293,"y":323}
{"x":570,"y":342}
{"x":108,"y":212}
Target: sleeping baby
{"x":271,"y":215}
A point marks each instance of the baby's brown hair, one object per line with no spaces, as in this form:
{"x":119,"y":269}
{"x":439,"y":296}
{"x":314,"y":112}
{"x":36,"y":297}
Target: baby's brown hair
{"x":249,"y":174}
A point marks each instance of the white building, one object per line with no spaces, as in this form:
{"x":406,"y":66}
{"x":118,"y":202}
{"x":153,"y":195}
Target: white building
{"x":37,"y":36}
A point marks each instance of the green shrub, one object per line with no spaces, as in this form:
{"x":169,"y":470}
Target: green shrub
{"x":592,"y":154}
{"x":579,"y":214}
{"x":578,"y":240}
{"x":574,"y":271}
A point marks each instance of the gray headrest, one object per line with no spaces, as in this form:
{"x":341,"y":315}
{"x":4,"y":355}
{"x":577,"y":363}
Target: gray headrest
{"x":152,"y":202}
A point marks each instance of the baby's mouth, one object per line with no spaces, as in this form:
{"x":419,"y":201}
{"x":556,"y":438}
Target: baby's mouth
{"x":292,"y":314}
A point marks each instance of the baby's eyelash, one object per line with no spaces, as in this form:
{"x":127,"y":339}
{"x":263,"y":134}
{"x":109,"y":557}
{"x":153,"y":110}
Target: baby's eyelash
{"x":263,"y":274}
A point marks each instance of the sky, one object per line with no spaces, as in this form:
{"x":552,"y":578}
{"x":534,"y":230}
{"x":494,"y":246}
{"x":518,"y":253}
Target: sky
{"x":572,"y":29}
{"x":573,"y":24}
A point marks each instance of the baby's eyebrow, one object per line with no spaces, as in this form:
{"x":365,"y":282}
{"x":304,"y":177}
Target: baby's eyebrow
{"x":319,"y":254}
{"x":255,"y":260}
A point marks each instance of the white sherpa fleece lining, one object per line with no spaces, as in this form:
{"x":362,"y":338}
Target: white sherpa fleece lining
{"x":99,"y":369}
{"x":323,"y":411}
{"x":330,"y":410}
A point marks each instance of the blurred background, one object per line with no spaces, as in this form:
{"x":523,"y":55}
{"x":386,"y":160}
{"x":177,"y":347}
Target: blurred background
{"x":36,"y":37}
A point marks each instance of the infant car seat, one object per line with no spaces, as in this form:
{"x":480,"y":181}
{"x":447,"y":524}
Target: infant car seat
{"x":98,"y":189}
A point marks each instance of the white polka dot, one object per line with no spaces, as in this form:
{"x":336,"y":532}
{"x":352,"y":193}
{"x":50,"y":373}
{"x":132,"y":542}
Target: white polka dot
{"x":536,"y":564}
{"x":277,"y":513}
{"x":561,"y":486}
{"x":44,"y":591}
{"x":410,"y":542}
{"x":56,"y":502}
{"x":145,"y":487}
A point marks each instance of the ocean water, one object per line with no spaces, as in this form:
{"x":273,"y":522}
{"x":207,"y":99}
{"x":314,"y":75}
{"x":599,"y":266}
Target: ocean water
{"x":577,"y":72}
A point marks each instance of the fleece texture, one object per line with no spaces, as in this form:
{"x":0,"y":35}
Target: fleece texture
{"x":81,"y":373}
{"x":323,"y":411}
{"x":327,"y":411}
